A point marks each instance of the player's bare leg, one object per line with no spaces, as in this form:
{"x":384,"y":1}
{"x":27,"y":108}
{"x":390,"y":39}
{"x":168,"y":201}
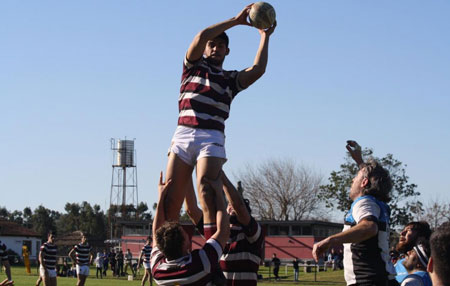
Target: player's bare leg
{"x":210,"y":168}
{"x":180,"y":173}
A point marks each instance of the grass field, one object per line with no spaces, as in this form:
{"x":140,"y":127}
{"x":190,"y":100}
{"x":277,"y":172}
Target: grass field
{"x":328,"y":278}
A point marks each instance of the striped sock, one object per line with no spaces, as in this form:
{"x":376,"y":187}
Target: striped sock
{"x":209,"y":230}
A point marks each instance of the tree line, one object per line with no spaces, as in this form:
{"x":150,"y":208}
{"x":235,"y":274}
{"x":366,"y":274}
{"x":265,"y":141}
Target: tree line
{"x":83,"y":216}
{"x":278,"y":190}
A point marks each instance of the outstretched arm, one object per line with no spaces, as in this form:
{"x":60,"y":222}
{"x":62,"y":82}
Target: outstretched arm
{"x":235,"y":198}
{"x":160,"y":217}
{"x":198,"y":44}
{"x":364,"y":230}
{"x":355,"y":151}
{"x":253,"y":73}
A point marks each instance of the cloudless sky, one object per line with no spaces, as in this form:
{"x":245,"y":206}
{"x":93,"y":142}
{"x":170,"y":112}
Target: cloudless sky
{"x":74,"y":74}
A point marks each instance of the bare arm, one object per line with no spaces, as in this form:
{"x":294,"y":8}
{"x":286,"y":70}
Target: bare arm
{"x":139,"y":259}
{"x":160,"y":217}
{"x":190,"y":203}
{"x":234,"y":197}
{"x":364,"y":230}
{"x":198,"y":44}
{"x":355,"y":151}
{"x":41,"y":259}
{"x":72,"y":255}
{"x":253,"y":73}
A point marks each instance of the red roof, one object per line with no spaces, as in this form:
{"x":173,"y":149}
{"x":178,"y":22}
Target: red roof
{"x":9,"y":228}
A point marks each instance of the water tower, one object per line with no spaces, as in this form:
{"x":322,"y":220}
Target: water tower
{"x":124,"y":190}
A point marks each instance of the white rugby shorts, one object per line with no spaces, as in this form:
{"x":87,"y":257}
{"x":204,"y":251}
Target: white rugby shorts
{"x":146,"y":265}
{"x":191,"y":144}
{"x":83,"y":270}
{"x":51,"y":272}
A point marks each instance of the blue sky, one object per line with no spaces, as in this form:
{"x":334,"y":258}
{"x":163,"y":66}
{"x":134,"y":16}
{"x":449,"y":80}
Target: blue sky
{"x":74,"y":74}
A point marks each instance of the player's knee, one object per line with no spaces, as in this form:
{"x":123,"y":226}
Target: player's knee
{"x":206,"y":195}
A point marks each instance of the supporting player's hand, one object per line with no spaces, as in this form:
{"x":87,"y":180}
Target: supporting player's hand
{"x":320,"y":248}
{"x":355,"y":151}
{"x":241,"y":18}
{"x":163,"y":186}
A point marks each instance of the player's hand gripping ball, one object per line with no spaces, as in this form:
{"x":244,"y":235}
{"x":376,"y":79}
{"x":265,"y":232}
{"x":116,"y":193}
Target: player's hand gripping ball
{"x":262,"y":15}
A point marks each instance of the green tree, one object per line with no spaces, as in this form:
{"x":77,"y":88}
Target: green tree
{"x":70,"y":220}
{"x":144,"y":212}
{"x":84,"y":217}
{"x":16,"y":216}
{"x":4,"y":213}
{"x":403,"y":195}
{"x":44,"y":221}
{"x":27,"y":214}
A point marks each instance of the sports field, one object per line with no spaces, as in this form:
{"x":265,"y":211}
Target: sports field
{"x":330,"y":278}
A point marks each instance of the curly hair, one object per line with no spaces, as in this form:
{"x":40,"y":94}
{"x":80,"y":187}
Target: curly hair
{"x":380,"y":183}
{"x":169,"y":239}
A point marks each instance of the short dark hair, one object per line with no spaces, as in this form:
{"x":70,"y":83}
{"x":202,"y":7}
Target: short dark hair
{"x":224,"y":37}
{"x":422,"y":228}
{"x":169,"y":239}
{"x":440,"y":252}
{"x":380,"y":183}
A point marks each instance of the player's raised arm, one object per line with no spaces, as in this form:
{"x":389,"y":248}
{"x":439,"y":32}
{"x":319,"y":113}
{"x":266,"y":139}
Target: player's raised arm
{"x":160,"y":218}
{"x":250,"y":75}
{"x":236,"y":201}
{"x":355,"y":151}
{"x":198,"y":44}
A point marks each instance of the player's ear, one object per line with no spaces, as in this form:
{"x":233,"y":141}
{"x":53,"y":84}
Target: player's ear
{"x":227,"y":52}
{"x":364,"y":182}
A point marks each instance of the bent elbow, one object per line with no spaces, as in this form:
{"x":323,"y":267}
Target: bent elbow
{"x":372,"y":229}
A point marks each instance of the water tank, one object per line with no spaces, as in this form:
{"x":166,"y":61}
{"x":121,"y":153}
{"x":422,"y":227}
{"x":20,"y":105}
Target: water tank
{"x":125,"y":153}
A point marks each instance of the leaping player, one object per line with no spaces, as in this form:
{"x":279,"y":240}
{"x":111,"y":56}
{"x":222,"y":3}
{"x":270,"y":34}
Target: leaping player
{"x":206,"y":93}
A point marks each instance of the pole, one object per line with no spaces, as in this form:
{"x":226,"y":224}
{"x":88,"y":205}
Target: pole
{"x":315,"y":271}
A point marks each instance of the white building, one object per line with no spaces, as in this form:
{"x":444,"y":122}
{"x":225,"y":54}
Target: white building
{"x":15,"y":236}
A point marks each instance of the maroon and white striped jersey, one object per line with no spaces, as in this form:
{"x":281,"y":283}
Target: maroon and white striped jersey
{"x":146,"y":252}
{"x":205,"y":95}
{"x":196,"y":268}
{"x":49,"y":251}
{"x":242,"y":254}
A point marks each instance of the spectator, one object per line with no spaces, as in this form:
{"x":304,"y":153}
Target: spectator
{"x":112,"y":262}
{"x":276,"y":266}
{"x":105,"y":262}
{"x":119,"y":259}
{"x":295,"y":264}
{"x":99,"y":265}
{"x":129,"y":262}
